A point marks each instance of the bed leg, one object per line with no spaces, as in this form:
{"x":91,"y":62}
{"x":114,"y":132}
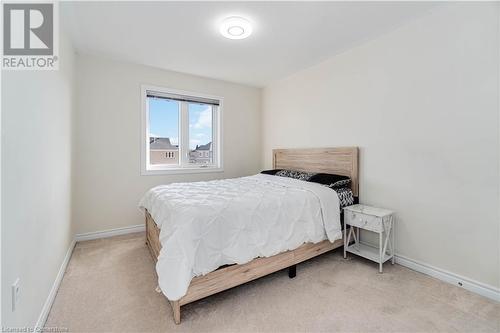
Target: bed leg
{"x":292,"y":271}
{"x":176,"y":308}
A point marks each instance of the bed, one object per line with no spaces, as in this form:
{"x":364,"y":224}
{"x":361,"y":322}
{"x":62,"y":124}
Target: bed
{"x":235,"y":269}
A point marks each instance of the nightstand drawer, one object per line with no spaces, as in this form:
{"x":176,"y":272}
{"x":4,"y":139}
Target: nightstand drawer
{"x":364,"y":221}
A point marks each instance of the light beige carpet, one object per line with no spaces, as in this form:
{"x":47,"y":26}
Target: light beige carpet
{"x":109,"y":286}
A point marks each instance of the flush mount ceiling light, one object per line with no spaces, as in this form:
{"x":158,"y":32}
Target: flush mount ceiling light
{"x":235,"y":27}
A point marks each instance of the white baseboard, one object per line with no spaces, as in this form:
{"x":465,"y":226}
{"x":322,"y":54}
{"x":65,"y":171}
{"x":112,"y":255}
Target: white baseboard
{"x":109,"y":233}
{"x":452,"y":278}
{"x":40,"y":323}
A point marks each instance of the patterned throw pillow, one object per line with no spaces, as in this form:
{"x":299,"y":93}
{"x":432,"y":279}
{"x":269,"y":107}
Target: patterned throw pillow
{"x":295,"y":174}
{"x":346,"y":198}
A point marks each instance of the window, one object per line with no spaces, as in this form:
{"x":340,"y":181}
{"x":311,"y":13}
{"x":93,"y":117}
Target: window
{"x":181,"y":132}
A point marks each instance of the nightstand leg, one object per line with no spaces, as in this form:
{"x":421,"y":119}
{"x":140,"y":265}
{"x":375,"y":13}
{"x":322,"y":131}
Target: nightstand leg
{"x":380,"y":249}
{"x":357,"y":237}
{"x":392,"y":239}
{"x":345,"y":240}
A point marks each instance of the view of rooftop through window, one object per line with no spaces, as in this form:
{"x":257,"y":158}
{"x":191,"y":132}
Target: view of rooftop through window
{"x":164,"y":132}
{"x":200,"y":133}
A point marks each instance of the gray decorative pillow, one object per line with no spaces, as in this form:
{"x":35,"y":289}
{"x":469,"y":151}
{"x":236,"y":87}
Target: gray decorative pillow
{"x":295,"y":174}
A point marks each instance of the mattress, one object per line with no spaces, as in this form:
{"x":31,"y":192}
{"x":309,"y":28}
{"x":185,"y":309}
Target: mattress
{"x":205,"y":225}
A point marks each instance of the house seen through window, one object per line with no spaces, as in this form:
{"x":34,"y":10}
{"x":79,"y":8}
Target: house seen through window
{"x":181,"y":131}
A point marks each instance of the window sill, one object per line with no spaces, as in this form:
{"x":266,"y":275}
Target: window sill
{"x":178,"y":171}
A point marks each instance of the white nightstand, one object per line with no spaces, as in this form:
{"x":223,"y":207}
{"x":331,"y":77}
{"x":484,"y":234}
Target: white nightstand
{"x":372,"y":219}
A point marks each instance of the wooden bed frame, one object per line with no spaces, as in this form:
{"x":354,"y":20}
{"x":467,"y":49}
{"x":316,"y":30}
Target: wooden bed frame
{"x":343,"y":161}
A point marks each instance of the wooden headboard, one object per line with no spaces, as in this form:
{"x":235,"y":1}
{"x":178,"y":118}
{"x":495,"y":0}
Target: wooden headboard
{"x":339,"y":160}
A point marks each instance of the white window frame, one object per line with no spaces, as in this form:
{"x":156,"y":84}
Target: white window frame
{"x":184,"y":167}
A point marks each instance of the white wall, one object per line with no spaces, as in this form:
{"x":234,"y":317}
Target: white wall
{"x":108,"y":183}
{"x":421,"y":102}
{"x":36,"y":183}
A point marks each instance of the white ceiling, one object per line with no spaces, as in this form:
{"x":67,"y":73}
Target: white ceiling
{"x":184,"y":37}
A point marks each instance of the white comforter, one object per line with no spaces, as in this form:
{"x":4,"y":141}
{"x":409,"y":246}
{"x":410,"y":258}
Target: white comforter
{"x":205,"y":225}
